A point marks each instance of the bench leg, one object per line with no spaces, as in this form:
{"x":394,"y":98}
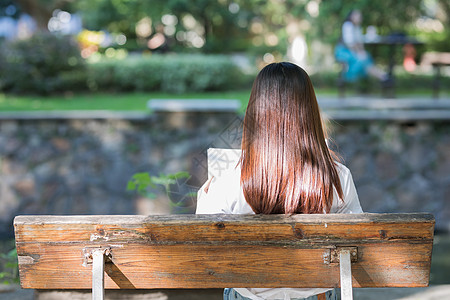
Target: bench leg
{"x":436,"y":80}
{"x":98,"y":275}
{"x":346,"y":274}
{"x":341,"y":84}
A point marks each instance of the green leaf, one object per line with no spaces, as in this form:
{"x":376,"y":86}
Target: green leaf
{"x":179,"y":175}
{"x":192,"y":194}
{"x":163,"y":180}
{"x":150,"y":195}
{"x":140,"y":182}
{"x":131,"y":186}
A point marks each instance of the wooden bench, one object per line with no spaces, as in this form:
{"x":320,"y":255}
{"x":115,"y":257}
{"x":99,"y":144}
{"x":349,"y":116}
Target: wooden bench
{"x":437,"y":60}
{"x":219,"y":251}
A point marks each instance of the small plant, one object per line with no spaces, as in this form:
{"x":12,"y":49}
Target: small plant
{"x":9,"y":273}
{"x":175,"y":185}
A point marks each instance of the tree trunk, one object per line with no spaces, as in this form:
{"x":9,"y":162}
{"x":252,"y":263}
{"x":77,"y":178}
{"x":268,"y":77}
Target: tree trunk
{"x":40,"y":11}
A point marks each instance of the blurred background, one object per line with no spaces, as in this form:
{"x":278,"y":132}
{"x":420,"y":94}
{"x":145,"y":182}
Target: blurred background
{"x":83,"y":43}
{"x":80,"y":132}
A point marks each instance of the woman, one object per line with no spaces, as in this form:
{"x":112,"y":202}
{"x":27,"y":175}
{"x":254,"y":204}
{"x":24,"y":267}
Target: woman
{"x":350,"y":51}
{"x":285,"y":165}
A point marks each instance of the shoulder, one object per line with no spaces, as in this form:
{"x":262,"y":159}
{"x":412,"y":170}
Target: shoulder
{"x":350,"y":203}
{"x":343,"y":171}
{"x":345,"y":177}
{"x":348,"y":24}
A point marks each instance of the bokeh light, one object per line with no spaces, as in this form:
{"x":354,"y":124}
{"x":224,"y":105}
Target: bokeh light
{"x":144,"y":27}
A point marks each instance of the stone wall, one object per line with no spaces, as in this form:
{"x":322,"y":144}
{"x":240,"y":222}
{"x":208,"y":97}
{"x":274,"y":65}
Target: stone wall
{"x":82,"y":165}
{"x":399,"y":167}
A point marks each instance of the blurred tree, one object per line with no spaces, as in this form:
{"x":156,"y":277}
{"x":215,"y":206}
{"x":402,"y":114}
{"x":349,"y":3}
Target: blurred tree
{"x":220,"y":26}
{"x":223,"y":23}
{"x":41,"y":10}
{"x":9,"y":8}
{"x":116,"y":16}
{"x":434,"y":26}
{"x":238,"y":25}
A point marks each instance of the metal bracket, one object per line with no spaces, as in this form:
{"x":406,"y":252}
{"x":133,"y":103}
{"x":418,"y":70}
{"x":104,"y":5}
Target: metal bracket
{"x":97,"y":256}
{"x":345,"y":267}
{"x":344,"y":256}
{"x":87,"y":254}
{"x":335,"y":254}
{"x":332,"y":255}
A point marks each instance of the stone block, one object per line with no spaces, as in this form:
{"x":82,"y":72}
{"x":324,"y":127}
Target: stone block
{"x":416,"y":195}
{"x":25,"y":187}
{"x":372,"y":198}
{"x":387,"y":166}
{"x":61,"y":144}
{"x":417,"y":156}
{"x":359,"y":166}
{"x":9,"y":127}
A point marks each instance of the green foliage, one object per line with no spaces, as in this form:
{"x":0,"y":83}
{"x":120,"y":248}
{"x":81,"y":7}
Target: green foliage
{"x":144,"y":183}
{"x":435,"y":41}
{"x":43,"y":64}
{"x":47,"y":63}
{"x":140,"y":182}
{"x":167,"y":73}
{"x":173,"y":184}
{"x":226,"y":29}
{"x":117,"y":16}
{"x":220,"y":26}
{"x":9,"y":267}
{"x":100,"y":76}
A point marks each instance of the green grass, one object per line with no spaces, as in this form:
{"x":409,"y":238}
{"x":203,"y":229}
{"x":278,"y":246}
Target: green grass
{"x":102,"y":101}
{"x":134,"y":101}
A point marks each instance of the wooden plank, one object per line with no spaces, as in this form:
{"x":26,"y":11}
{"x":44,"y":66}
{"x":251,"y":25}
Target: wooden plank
{"x":208,"y":228}
{"x":201,"y":266}
{"x":173,"y":219}
{"x":237,"y":251}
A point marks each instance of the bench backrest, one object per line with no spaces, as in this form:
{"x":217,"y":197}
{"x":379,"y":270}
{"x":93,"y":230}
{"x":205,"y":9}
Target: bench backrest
{"x":217,"y":251}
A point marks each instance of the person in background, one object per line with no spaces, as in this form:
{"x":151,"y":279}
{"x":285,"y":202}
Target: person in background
{"x":285,"y":166}
{"x":350,"y":51}
{"x":409,"y":62}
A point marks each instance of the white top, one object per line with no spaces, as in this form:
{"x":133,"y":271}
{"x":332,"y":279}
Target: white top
{"x":351,"y":34}
{"x":225,"y":196}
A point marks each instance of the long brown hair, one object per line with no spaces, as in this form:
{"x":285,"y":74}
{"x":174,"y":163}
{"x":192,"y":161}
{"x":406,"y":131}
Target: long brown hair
{"x":286,"y":166}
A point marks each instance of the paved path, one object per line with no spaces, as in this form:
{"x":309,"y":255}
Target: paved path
{"x":375,"y":108}
{"x":370,"y":102}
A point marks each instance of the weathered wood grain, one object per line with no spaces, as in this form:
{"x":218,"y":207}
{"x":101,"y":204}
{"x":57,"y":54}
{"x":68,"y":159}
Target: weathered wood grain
{"x":231,"y":228}
{"x":216,"y":251}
